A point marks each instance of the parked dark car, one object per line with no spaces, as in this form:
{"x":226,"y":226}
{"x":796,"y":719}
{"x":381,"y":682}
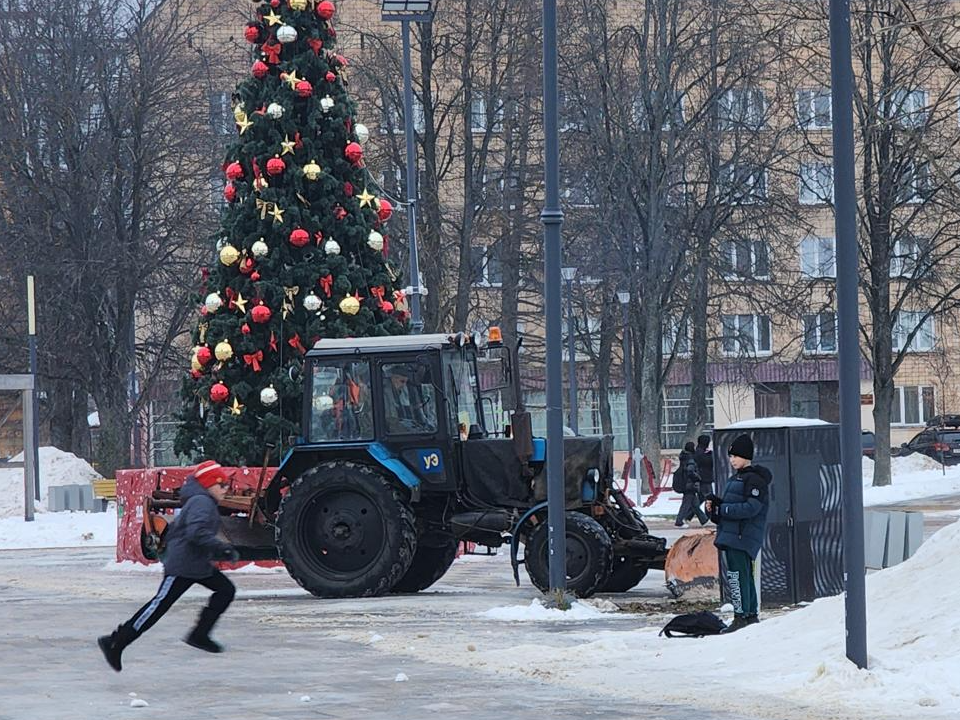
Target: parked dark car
{"x":868,"y":442}
{"x":938,"y":441}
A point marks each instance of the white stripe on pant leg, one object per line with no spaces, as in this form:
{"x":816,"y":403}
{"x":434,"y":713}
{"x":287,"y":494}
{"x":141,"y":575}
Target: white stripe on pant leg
{"x":736,"y":594}
{"x":155,"y":603}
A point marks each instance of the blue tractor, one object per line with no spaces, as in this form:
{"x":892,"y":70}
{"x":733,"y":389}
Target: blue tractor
{"x":401,"y":457}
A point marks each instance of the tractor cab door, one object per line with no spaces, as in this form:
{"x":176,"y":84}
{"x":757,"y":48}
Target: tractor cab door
{"x":410,"y":418}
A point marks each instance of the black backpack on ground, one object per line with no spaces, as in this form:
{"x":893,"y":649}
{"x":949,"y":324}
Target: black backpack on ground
{"x":695,"y":624}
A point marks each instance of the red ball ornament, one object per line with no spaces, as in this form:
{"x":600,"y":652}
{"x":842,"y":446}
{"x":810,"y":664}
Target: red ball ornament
{"x":219,"y":393}
{"x":246,"y":266}
{"x":230,"y":192}
{"x":255,"y":276}
{"x":330,"y":77}
{"x":260,"y":69}
{"x":387,"y":306}
{"x":260,"y":314}
{"x":275,"y":166}
{"x":204,"y":355}
{"x":274,"y":3}
{"x":304,"y":88}
{"x":325,"y":9}
{"x":353,"y":152}
{"x":252,"y":32}
{"x":196,"y":374}
{"x":299,"y":237}
{"x":245,"y":329}
{"x":234,"y":171}
{"x":203,"y":310}
{"x":348,"y":189}
{"x":385,"y":211}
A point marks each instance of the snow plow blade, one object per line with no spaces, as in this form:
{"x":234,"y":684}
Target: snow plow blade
{"x":692,"y":568}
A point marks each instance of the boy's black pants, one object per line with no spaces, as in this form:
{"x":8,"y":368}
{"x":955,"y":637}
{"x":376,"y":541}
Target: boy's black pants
{"x":171,"y":588}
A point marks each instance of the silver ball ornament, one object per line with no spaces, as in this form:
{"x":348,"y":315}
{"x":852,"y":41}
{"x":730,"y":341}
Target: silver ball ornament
{"x":331,"y":247}
{"x":286,"y":34}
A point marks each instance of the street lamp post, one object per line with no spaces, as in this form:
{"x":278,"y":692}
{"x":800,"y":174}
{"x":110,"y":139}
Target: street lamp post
{"x":405,"y":12}
{"x":568,"y":274}
{"x":624,"y":297}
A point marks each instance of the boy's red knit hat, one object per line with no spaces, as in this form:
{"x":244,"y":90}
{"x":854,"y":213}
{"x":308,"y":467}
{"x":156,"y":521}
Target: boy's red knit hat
{"x":209,"y":473}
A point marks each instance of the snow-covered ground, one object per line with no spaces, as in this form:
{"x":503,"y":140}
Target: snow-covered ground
{"x":56,"y":468}
{"x":61,"y":529}
{"x":913,"y":477}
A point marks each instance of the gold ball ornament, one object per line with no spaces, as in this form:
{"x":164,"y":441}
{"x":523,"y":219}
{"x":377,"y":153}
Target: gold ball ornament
{"x":375,"y":241}
{"x":259,"y":249}
{"x":229,"y":255}
{"x":311,"y":170}
{"x":349,"y":305}
{"x":195,"y":361}
{"x":223,"y":351}
{"x":298,"y":5}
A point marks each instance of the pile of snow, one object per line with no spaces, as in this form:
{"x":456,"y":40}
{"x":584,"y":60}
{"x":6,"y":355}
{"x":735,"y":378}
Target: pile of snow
{"x":796,"y":659}
{"x":62,"y":529}
{"x":912,"y":477}
{"x":536,"y":611}
{"x":774,"y":422}
{"x":56,"y":468}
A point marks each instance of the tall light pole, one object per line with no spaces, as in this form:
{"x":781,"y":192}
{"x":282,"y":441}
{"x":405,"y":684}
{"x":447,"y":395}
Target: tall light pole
{"x":552,"y":217}
{"x":569,"y":273}
{"x":624,"y":297}
{"x":848,"y":314}
{"x":35,"y":392}
{"x":405,"y":12}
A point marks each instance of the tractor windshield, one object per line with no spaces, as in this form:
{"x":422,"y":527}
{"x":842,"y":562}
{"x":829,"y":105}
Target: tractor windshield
{"x":341,"y":409}
{"x":462,"y":390}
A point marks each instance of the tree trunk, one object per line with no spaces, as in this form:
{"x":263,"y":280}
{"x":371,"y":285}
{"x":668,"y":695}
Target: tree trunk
{"x":882,"y":405}
{"x":651,"y":359}
{"x":697,"y":410}
{"x":113,"y":439}
{"x":602,"y":367}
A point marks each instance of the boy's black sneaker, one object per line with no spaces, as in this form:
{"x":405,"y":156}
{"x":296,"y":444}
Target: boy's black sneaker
{"x":739,"y":622}
{"x":752,"y":619}
{"x":110,"y":651}
{"x":203,"y":642}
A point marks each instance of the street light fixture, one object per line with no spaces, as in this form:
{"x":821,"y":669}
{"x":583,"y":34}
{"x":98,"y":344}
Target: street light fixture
{"x":569,"y":273}
{"x":624,"y":297}
{"x":405,"y":12}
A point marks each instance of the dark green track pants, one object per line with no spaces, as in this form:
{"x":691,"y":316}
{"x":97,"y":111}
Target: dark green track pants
{"x":743,"y":591}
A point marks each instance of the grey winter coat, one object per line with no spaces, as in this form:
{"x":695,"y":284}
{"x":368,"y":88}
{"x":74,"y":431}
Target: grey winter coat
{"x":191,"y":544}
{"x":741,"y":515}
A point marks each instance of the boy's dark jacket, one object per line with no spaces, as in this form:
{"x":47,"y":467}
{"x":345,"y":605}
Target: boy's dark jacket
{"x":192,"y":543}
{"x":741,"y":514}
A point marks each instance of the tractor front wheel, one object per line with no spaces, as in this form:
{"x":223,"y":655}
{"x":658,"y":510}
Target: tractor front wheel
{"x":433,"y":558}
{"x":344,"y":530}
{"x":589,"y":551}
{"x":625,"y":573}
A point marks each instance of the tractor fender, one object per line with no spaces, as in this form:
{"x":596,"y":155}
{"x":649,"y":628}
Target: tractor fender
{"x":515,"y":537}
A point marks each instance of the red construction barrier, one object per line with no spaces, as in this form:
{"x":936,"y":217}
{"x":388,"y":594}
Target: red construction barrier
{"x":135,"y":485}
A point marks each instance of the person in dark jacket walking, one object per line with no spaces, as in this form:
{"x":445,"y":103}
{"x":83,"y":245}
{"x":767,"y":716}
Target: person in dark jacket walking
{"x":690,"y":505}
{"x":704,"y":460}
{"x":191,"y":548}
{"x":741,"y":518}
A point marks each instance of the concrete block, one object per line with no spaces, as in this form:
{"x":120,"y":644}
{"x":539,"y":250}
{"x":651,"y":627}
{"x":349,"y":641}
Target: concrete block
{"x":73,"y":497}
{"x":86,"y":498}
{"x":56,"y":499}
{"x":896,"y":537}
{"x":914,"y":537}
{"x":874,"y":538}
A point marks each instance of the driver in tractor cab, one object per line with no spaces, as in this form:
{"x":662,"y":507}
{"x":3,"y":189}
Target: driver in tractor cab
{"x":404,"y":406}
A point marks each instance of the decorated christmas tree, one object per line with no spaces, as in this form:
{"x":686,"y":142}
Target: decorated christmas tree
{"x":302,"y":251}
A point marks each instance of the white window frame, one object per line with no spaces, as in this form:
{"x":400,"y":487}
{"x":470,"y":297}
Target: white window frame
{"x":566,"y":120}
{"x":742,"y":106}
{"x":640,"y":113}
{"x":814,"y":109}
{"x":487,"y":254}
{"x":917,"y":182}
{"x":816,"y":183}
{"x":568,"y":188}
{"x":818,"y":257}
{"x":904,"y":322}
{"x":908,"y":108}
{"x":905,"y":258}
{"x":579,"y":351}
{"x":478,"y":116}
{"x":731,"y":250}
{"x":899,"y":403}
{"x":813,"y":324}
{"x":676,"y":336}
{"x":739,"y":322}
{"x":394,"y":114}
{"x":752,"y":178}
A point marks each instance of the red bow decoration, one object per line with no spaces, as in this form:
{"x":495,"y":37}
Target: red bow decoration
{"x":386,"y":245}
{"x":377,"y":292}
{"x":399,"y":296}
{"x":272,"y":51}
{"x":297,"y":141}
{"x":204,"y":273}
{"x":262,"y":110}
{"x":315,"y":45}
{"x":273,"y":341}
{"x":327,"y":284}
{"x":294,"y":342}
{"x":253,"y":360}
{"x":318,"y":236}
{"x":339,"y":213}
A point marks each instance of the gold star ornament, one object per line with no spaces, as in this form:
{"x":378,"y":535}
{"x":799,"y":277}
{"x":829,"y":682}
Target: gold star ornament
{"x":272,"y":18}
{"x":292,"y":79}
{"x":240,"y":303}
{"x":287,"y":145}
{"x":236,"y":407}
{"x":277,"y":213}
{"x":366,"y":199}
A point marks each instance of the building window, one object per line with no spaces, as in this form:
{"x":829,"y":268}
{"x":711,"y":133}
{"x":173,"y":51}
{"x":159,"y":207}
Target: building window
{"x":745,"y":259}
{"x":478,"y":116}
{"x":820,"y":333}
{"x":393,"y":117}
{"x":818,"y":257}
{"x":586,"y":340}
{"x":570,"y":111}
{"x":577,"y":189}
{"x":908,"y":108}
{"x":221,"y":114}
{"x":816,"y":183}
{"x":673,"y":112}
{"x":814,"y":110}
{"x":912,"y":405}
{"x":742,"y":108}
{"x":675,"y":337}
{"x":909,"y":321}
{"x":746,"y":334}
{"x":914,"y":182}
{"x":485,"y":268}
{"x":742,"y":184}
{"x":905,"y":260}
{"x":674,"y":412}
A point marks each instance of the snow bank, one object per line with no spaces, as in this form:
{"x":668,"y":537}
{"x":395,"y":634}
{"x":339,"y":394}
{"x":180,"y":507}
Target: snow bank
{"x":912,"y":477}
{"x":63,"y":529}
{"x":795,"y":659}
{"x":56,"y":468}
{"x":536,"y":611}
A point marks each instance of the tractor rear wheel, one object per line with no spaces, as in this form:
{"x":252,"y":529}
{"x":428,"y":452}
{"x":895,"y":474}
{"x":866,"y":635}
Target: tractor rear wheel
{"x":625,"y":573}
{"x":589,"y":550}
{"x":433,"y":558}
{"x":344,"y":530}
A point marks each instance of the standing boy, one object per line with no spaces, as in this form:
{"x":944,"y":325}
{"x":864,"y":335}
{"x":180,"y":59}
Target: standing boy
{"x":191,"y":547}
{"x":741,"y":518}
